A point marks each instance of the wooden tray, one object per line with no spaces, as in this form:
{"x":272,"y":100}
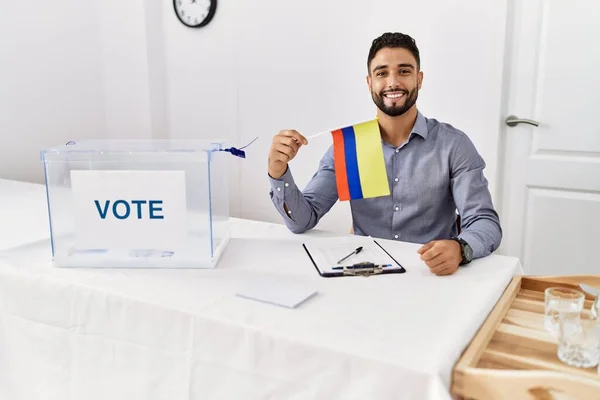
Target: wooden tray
{"x":513,"y":357}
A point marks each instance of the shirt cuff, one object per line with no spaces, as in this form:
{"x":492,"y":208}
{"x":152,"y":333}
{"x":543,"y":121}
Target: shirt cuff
{"x":283,"y":185}
{"x":475,"y":243}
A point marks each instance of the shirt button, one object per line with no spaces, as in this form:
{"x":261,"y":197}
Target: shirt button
{"x":395,"y":236}
{"x":396,"y":208}
{"x":279,"y":189}
{"x":397,"y":150}
{"x":287,"y":184}
{"x":395,"y":179}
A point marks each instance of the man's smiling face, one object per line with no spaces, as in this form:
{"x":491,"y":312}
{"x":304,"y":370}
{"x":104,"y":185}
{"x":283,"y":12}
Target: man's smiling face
{"x":394,"y":80}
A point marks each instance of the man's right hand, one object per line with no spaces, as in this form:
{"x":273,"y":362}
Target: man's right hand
{"x":284,"y":148}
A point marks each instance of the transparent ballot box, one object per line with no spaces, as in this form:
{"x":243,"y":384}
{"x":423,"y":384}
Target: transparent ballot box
{"x":137,"y":203}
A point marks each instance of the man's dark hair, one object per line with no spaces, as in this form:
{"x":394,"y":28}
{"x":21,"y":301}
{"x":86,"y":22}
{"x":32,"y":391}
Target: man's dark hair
{"x":395,"y":39}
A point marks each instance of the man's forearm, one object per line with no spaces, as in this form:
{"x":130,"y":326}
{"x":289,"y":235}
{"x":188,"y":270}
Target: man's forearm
{"x":298,"y":213}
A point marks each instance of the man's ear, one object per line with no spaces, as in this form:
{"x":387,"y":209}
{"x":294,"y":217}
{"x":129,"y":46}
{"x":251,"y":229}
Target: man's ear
{"x":420,"y":79}
{"x":369,"y":82}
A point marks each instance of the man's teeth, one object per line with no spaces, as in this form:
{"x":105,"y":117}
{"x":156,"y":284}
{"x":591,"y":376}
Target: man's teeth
{"x":394,"y":95}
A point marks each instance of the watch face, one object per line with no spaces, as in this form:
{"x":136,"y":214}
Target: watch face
{"x":468,"y":252}
{"x":195,"y":13}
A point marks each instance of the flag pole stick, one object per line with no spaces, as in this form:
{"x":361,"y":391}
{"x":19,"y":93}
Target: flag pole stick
{"x":325,"y":132}
{"x":317,"y":134}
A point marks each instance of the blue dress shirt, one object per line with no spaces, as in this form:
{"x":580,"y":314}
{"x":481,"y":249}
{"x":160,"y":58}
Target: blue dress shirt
{"x":435,"y":173}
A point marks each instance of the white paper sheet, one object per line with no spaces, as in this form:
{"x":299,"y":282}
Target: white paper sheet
{"x":277,"y":293}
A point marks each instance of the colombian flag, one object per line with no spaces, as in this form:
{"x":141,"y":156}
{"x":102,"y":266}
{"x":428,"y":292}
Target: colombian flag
{"x":358,"y":160}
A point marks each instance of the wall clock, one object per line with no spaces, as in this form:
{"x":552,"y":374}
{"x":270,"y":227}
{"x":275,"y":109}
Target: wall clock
{"x":195,"y":13}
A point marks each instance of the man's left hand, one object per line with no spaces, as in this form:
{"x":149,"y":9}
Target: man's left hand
{"x":441,"y":256}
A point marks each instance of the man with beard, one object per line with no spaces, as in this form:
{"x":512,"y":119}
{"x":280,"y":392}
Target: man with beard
{"x":433,"y":171}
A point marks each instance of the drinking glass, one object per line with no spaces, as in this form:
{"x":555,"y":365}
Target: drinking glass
{"x":579,"y":342}
{"x":561,"y":303}
{"x":596,"y":308}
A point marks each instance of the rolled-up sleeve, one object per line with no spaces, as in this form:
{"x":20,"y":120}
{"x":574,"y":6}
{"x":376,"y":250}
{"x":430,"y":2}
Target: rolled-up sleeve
{"x":305,"y":208}
{"x":480,"y":222}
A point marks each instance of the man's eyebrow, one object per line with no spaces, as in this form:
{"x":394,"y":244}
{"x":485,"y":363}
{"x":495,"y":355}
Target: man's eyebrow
{"x":406,"y":65}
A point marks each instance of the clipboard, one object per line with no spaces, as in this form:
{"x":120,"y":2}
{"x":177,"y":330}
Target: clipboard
{"x":363,"y":267}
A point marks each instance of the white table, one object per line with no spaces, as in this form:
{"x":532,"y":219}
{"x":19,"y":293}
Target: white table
{"x":183,"y":334}
{"x":23,"y":213}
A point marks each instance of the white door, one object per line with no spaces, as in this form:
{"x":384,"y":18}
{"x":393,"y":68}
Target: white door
{"x":550,"y":187}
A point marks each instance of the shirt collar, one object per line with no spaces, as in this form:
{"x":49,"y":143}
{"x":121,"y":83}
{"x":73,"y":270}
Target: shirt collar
{"x":420,"y":126}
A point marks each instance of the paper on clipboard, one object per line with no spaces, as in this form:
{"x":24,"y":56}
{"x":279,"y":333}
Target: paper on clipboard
{"x":326,"y":252}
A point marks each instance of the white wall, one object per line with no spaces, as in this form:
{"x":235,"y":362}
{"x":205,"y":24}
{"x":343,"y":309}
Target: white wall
{"x":72,"y":70}
{"x":125,"y":68}
{"x":264,"y":66}
{"x":51,"y":81}
{"x":129,"y":68}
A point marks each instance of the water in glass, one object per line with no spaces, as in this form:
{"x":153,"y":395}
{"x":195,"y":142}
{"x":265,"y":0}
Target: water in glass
{"x":561,"y":303}
{"x":556,"y":309}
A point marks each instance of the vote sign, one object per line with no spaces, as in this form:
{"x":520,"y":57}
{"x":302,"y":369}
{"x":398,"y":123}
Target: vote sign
{"x":129,"y":209}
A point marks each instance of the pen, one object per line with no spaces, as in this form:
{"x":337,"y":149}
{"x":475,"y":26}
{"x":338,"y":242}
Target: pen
{"x":358,"y":250}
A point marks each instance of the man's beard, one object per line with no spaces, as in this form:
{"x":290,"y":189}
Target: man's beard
{"x":396,"y":110}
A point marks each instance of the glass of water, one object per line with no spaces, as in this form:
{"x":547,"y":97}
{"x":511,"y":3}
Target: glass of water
{"x":596,"y":308}
{"x":561,"y":303}
{"x":579,"y":342}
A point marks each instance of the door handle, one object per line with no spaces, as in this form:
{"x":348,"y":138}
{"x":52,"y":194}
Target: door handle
{"x":512,"y":120}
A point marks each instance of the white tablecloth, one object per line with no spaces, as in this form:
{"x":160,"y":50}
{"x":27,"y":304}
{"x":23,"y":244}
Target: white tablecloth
{"x":91,"y":334}
{"x":23,"y":213}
